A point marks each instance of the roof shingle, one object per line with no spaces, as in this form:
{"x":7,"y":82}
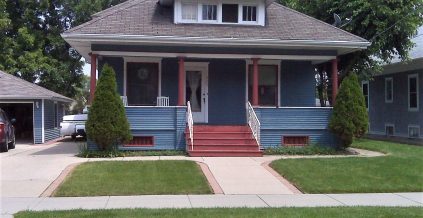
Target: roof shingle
{"x":147,"y":18}
{"x":12,"y":87}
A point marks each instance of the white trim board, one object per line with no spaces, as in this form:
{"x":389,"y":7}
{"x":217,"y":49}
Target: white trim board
{"x":42,"y":122}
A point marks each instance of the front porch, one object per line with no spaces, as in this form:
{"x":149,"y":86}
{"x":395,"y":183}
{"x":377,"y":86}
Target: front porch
{"x":282,"y":93}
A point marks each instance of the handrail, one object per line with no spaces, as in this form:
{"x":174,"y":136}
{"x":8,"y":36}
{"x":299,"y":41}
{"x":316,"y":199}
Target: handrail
{"x":190,"y":123}
{"x":253,"y":122}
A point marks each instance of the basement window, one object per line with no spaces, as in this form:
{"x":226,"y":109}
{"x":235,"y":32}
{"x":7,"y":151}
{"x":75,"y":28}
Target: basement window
{"x":141,"y":141}
{"x":295,"y":140}
{"x":229,"y":13}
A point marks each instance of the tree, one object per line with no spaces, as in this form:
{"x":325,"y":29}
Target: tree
{"x":388,"y":25}
{"x":107,"y":125}
{"x":349,"y":119}
{"x":81,"y":97}
{"x":31,"y":46}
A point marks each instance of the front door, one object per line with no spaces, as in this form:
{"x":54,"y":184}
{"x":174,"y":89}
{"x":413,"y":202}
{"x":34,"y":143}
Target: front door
{"x":197,"y":90}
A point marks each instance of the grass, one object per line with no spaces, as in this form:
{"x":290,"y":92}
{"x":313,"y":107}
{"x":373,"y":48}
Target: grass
{"x":109,"y":178}
{"x":345,"y":212}
{"x":304,"y":150}
{"x":399,"y":171}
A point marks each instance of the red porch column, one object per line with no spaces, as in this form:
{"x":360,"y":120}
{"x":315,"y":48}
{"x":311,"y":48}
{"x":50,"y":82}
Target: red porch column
{"x":334,"y":80}
{"x":255,"y":96}
{"x":181,"y":80}
{"x":93,"y":77}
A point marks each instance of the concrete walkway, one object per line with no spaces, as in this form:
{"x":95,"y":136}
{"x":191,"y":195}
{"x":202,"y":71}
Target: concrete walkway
{"x":12,"y":205}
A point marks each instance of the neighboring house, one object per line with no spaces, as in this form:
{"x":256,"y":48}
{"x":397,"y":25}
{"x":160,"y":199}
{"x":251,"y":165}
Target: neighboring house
{"x":395,"y":97}
{"x":38,"y":111}
{"x":218,"y":55}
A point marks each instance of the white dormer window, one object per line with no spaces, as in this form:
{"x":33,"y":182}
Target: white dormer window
{"x":189,"y":11}
{"x":209,"y":12}
{"x":250,"y":12}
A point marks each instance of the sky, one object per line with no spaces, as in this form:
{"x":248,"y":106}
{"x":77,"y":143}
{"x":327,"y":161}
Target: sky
{"x":86,"y":68}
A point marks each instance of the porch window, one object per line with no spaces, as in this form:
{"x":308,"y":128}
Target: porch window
{"x":268,"y":84}
{"x":142,"y":83}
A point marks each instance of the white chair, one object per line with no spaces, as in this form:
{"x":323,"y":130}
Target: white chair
{"x":162,"y":101}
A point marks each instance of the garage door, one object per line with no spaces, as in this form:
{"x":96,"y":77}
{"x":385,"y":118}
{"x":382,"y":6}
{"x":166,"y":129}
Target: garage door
{"x":24,"y":115}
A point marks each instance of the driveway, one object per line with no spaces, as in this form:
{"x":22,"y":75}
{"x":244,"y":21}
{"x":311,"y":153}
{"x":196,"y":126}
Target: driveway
{"x":28,"y":170}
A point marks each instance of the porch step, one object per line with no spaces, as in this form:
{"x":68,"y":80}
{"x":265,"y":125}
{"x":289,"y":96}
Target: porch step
{"x":211,"y":153}
{"x":223,"y":141}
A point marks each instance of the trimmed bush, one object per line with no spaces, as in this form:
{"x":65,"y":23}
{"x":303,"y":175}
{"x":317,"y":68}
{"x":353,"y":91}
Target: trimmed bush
{"x":349,"y":119}
{"x":107,"y":125}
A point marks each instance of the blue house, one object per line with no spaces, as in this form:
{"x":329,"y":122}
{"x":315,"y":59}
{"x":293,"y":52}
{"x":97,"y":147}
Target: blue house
{"x":38,"y":111}
{"x":215,"y":77}
{"x":395,"y":97}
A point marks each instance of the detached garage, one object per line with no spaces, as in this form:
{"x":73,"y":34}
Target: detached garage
{"x":38,"y":111}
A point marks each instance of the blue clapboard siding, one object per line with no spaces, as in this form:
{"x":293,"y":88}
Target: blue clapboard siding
{"x":38,"y":123}
{"x":276,"y":122}
{"x":396,"y":113}
{"x":166,"y":124}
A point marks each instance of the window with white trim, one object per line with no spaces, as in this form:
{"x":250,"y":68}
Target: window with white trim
{"x":389,"y":90}
{"x":413,"y":131}
{"x":413,"y":92}
{"x":209,"y":12}
{"x":365,"y":89}
{"x":249,"y":13}
{"x":142,"y":86}
{"x":189,"y":11}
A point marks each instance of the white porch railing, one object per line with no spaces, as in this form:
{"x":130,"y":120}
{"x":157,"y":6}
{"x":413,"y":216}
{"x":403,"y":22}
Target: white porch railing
{"x":190,"y":123}
{"x":253,"y":122}
{"x":162,"y":101}
{"x":124,"y":100}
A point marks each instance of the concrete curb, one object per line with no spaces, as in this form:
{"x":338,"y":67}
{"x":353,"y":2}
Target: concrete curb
{"x":290,"y":186}
{"x":59,"y":180}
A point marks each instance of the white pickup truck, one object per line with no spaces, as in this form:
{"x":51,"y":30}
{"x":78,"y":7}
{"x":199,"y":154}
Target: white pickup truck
{"x":73,"y":125}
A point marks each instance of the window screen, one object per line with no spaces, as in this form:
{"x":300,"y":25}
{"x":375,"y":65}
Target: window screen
{"x":142,"y":83}
{"x":268,"y":84}
{"x":189,"y":11}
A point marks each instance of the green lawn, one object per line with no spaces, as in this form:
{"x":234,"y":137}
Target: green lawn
{"x":344,"y":212}
{"x":399,"y":171}
{"x":134,"y":178}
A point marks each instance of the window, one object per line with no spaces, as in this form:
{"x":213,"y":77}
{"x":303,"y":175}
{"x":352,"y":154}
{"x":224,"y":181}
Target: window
{"x":249,"y":13}
{"x":189,"y":11}
{"x":413,"y":131}
{"x":295,"y":140}
{"x":413,"y":92}
{"x":56,"y":115}
{"x":142,"y":83}
{"x":389,"y":129}
{"x":365,"y":89}
{"x":210,"y":12}
{"x":268,"y":84}
{"x":229,"y":13}
{"x":389,"y":90}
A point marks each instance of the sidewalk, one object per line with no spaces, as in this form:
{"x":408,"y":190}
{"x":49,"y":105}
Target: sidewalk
{"x":12,"y":205}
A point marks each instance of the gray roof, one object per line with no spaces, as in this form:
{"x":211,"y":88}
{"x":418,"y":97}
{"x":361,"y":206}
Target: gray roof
{"x":14,"y":88}
{"x":147,"y":18}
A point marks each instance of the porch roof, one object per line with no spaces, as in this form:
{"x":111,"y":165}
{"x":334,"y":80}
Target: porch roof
{"x":145,"y":21}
